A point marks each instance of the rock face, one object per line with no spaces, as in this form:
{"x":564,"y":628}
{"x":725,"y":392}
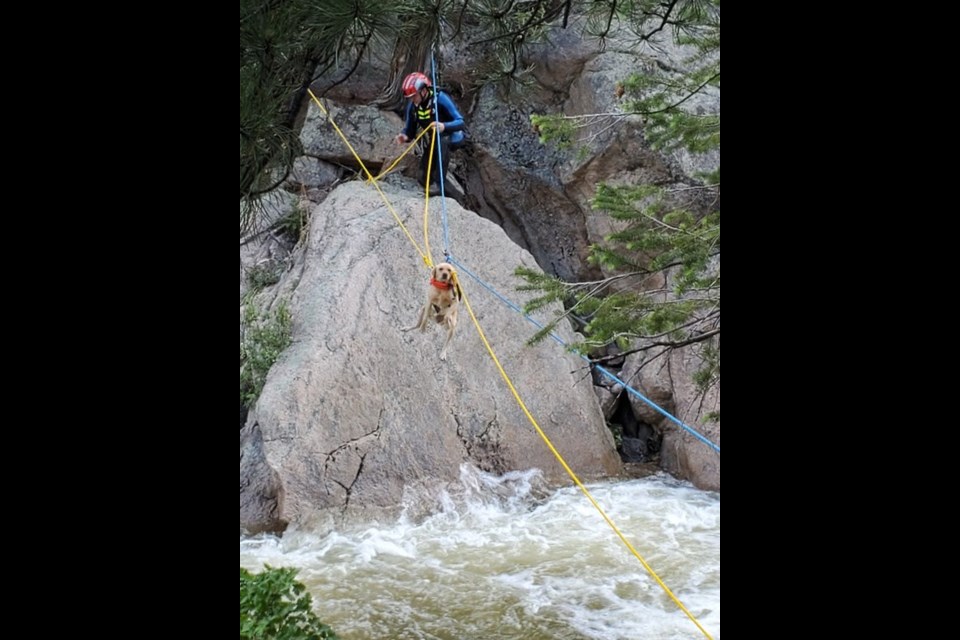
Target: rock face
{"x":668,"y":382}
{"x":356,"y":408}
{"x":538,"y":195}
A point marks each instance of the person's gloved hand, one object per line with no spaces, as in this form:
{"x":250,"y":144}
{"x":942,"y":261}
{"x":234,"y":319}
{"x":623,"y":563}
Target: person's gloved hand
{"x":402,"y":138}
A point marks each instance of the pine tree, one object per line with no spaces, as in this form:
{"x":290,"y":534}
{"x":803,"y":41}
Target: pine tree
{"x":287,"y":46}
{"x":665,"y":291}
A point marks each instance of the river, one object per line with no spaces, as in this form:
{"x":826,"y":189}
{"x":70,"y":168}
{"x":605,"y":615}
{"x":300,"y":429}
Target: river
{"x":502,"y":558}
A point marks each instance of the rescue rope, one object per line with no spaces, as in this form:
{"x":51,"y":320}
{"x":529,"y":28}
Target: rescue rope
{"x":496,"y":361}
{"x":653,"y":405}
{"x":424,"y":256}
{"x":443,"y":178}
{"x":566,"y":467}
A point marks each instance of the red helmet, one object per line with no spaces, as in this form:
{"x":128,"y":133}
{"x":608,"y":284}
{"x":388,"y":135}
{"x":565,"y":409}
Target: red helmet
{"x":413,"y":83}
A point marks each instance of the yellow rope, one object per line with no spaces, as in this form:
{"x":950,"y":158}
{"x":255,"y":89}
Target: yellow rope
{"x":405,"y":152}
{"x":426,"y":197}
{"x":425,"y":257}
{"x":493,"y":356}
{"x":567,"y":468}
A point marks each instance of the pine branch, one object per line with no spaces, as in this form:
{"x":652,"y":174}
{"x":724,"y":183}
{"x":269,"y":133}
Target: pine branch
{"x":670,"y":344}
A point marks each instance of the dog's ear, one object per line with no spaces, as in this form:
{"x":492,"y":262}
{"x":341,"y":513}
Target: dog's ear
{"x":433,"y":273}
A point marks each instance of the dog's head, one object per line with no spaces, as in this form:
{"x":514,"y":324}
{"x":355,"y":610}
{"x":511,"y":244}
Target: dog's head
{"x":443,"y":272}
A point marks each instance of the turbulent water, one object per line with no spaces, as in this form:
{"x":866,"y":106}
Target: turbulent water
{"x":501,"y":559}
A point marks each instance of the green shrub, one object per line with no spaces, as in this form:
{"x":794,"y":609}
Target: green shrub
{"x":294,"y":223}
{"x":274,"y":606}
{"x":263,"y":275}
{"x":264,"y":337}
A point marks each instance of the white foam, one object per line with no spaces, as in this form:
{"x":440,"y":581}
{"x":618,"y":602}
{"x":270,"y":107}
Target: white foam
{"x":496,"y":558}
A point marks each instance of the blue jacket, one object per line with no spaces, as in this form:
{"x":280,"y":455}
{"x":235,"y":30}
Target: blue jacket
{"x":453,"y":125}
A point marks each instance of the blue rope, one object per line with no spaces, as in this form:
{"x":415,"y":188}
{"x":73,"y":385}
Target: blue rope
{"x":604,"y":371}
{"x":555,"y":337}
{"x":443,"y":182}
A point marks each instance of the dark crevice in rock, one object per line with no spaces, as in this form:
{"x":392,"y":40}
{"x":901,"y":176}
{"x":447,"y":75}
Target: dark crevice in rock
{"x":332,"y":456}
{"x":483,"y":448}
{"x":639,"y":441}
{"x":348,"y":489}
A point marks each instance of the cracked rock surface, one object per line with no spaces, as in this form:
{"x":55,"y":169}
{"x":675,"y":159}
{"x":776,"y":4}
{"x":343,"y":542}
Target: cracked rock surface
{"x":355,"y":410}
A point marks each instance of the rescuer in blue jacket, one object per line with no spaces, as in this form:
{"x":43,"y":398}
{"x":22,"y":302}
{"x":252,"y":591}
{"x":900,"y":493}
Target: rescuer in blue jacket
{"x":422,"y":96}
